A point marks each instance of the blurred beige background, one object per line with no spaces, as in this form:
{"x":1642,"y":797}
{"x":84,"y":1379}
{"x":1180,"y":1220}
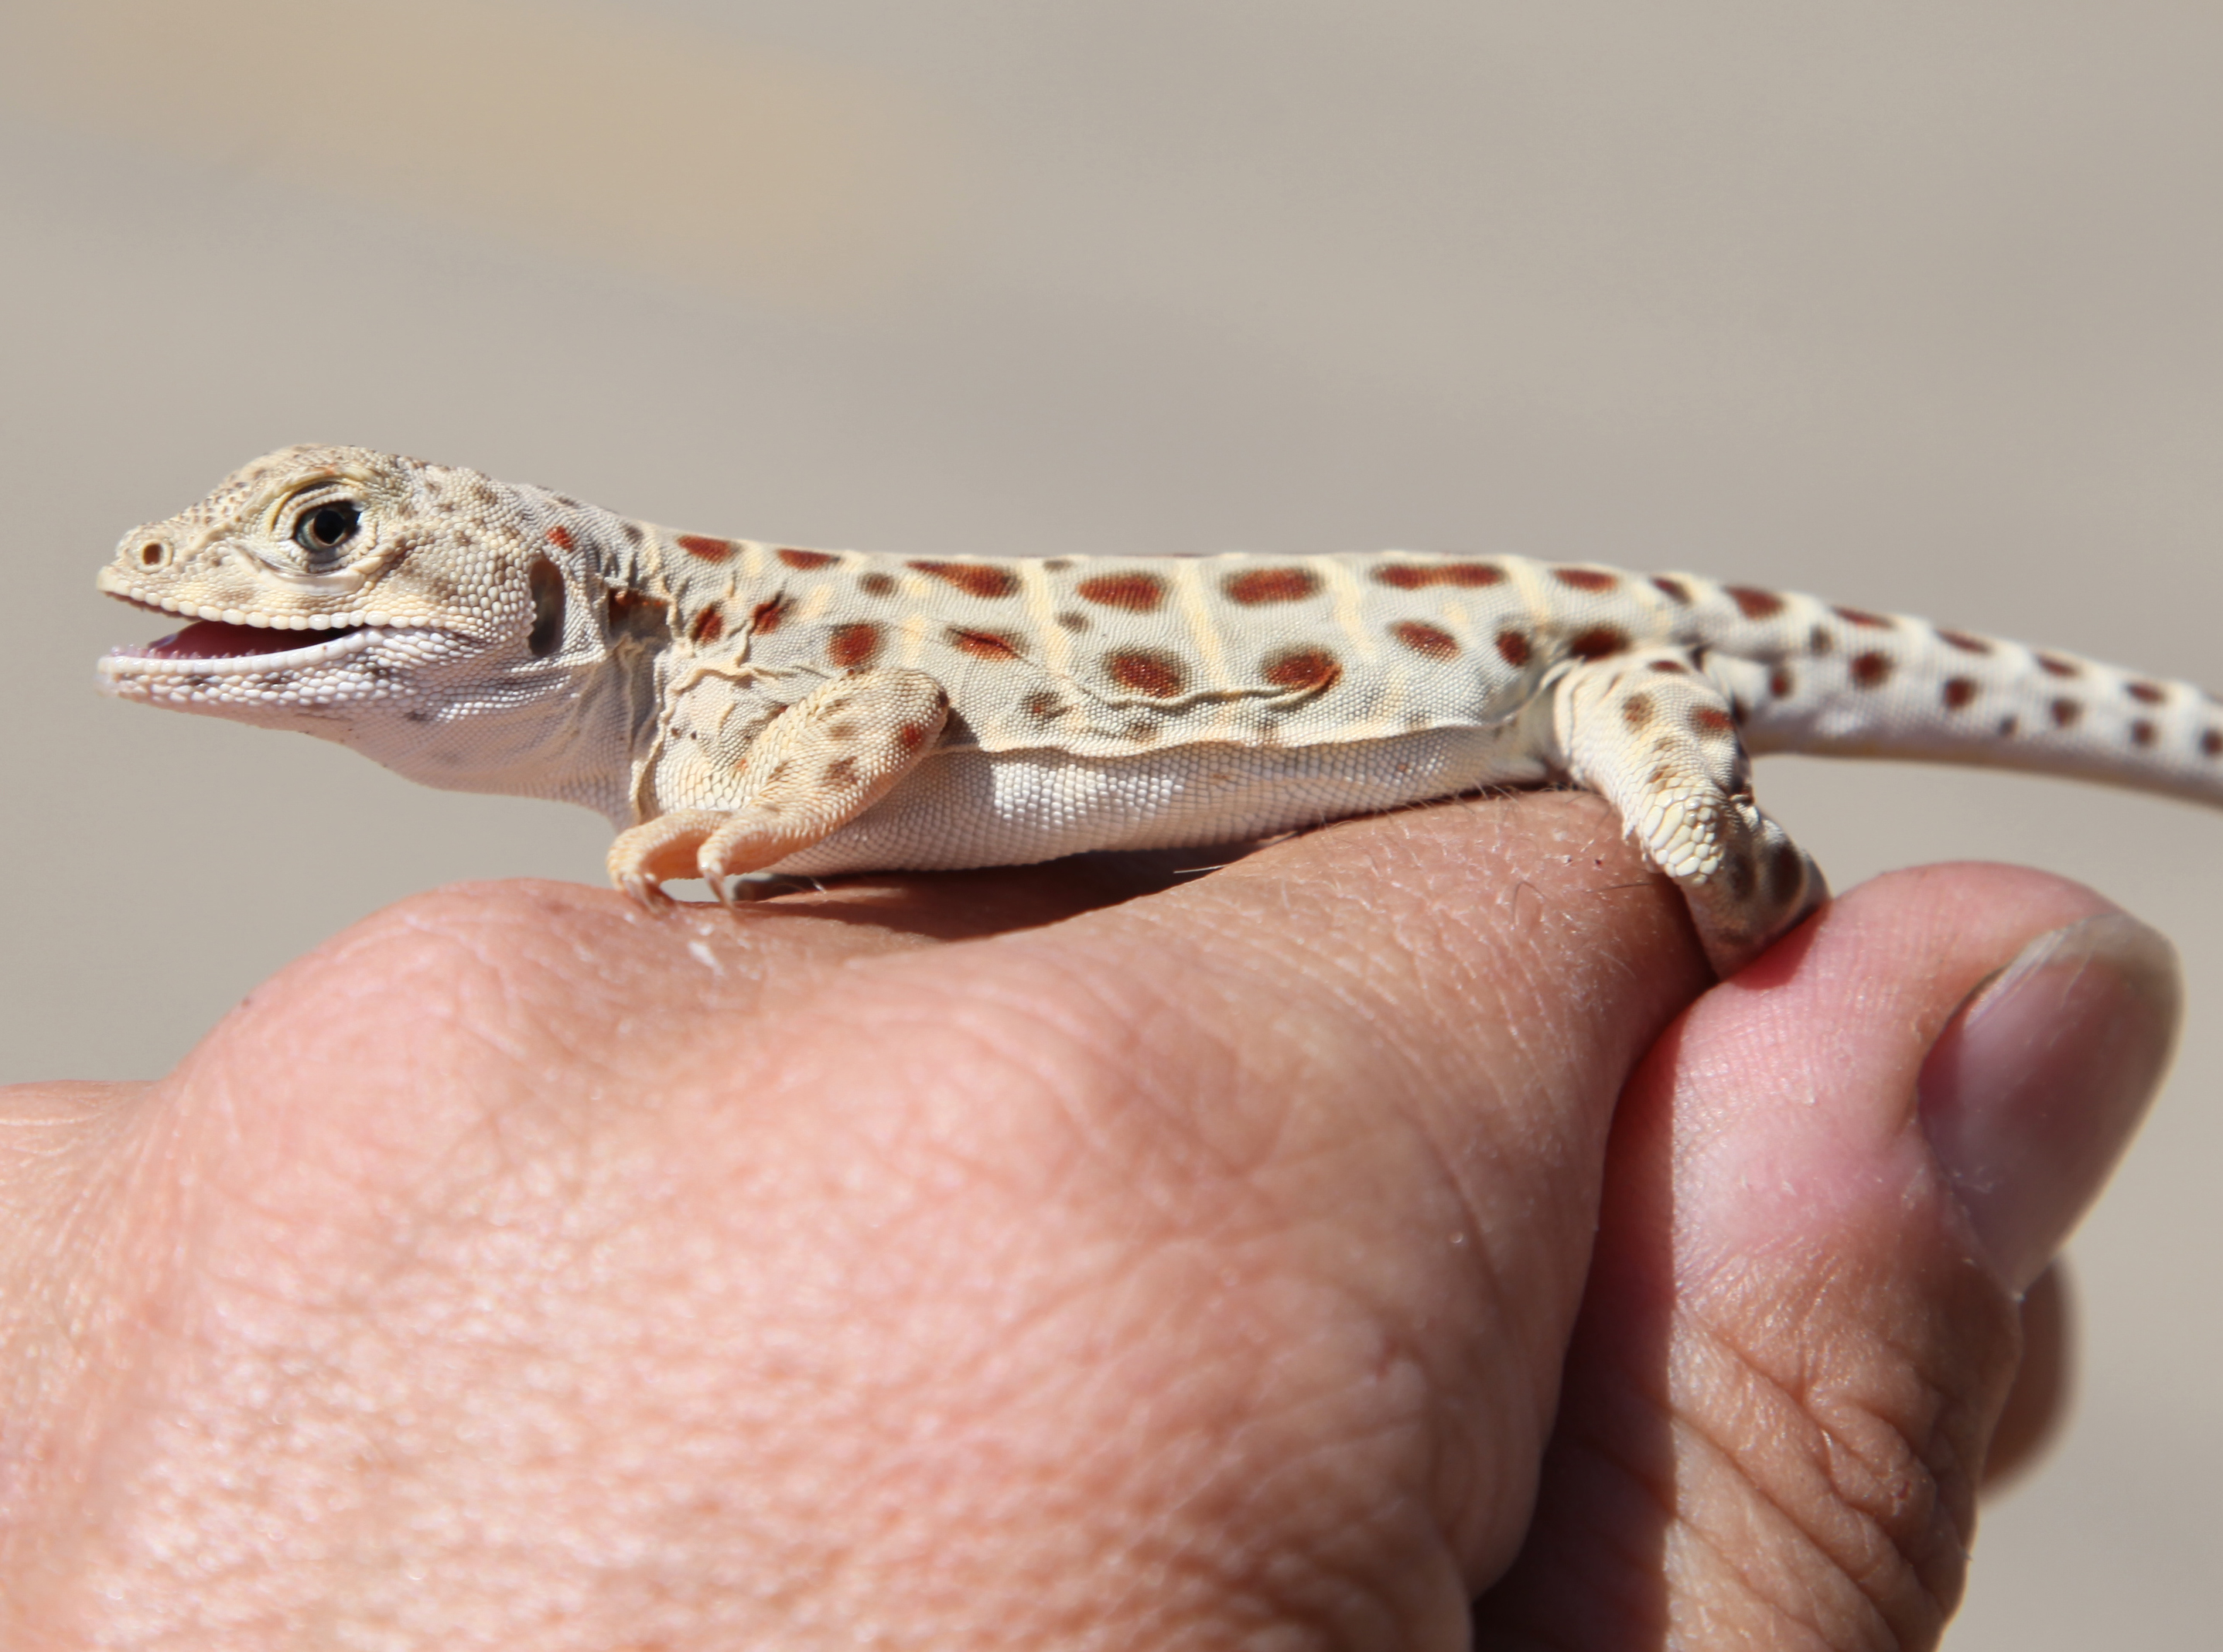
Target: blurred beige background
{"x":1919,"y":305}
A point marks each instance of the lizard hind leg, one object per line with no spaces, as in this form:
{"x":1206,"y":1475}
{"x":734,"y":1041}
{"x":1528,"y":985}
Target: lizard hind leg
{"x":1658,"y":737}
{"x":815,"y":767}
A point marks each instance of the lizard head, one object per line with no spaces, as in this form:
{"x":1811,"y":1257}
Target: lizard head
{"x":425,"y":615}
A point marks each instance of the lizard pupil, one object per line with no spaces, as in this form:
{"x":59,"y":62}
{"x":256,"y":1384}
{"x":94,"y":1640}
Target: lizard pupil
{"x":327,"y":527}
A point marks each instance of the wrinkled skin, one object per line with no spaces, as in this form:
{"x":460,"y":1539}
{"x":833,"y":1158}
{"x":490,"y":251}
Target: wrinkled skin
{"x":991,"y":1260}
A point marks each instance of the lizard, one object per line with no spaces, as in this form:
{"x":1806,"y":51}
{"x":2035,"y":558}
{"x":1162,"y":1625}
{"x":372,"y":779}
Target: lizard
{"x":737,"y":706}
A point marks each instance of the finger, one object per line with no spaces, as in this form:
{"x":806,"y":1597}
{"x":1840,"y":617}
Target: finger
{"x":2037,"y":1405}
{"x":1828,"y":1184}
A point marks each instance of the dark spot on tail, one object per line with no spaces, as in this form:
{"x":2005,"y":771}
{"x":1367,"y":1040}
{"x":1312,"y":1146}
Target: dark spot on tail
{"x":2065,"y":712}
{"x":805,"y":560}
{"x":876,"y":585}
{"x":2142,"y":732}
{"x":1673,"y":590}
{"x":2146,"y":693}
{"x":1862,"y":618}
{"x":1513,"y":647}
{"x":1963,"y":641}
{"x":1958,"y":692}
{"x":2054,"y":665}
{"x":1871,"y":669}
{"x":1754,"y":604}
{"x":1586,"y":578}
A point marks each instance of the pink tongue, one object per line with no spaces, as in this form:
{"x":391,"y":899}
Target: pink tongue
{"x":211,"y":640}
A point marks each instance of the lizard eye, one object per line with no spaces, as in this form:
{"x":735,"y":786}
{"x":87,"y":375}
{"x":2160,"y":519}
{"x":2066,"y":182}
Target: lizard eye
{"x":328,"y":527}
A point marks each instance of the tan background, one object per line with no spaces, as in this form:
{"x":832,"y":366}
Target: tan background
{"x":1916,"y":305}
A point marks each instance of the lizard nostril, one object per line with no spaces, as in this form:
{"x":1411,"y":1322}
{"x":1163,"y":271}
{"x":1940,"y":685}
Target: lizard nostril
{"x":153,"y":554}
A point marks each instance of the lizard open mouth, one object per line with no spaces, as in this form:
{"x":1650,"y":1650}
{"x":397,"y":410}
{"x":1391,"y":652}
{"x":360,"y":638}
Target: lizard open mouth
{"x":214,"y":639}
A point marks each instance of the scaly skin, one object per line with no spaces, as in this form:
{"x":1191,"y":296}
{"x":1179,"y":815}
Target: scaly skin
{"x":734,"y":707}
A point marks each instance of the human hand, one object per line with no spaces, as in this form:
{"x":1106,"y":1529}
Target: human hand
{"x":964,"y":1262}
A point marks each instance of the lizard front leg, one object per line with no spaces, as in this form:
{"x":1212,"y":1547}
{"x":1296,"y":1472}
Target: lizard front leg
{"x":811,"y":770}
{"x":1659,"y":738}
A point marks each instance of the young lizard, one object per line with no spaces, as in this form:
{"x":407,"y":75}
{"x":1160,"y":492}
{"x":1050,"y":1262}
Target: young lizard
{"x":734,"y":707}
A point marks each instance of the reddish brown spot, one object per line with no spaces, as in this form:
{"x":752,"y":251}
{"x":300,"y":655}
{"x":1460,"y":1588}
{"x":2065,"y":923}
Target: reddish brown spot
{"x":1779,"y":681}
{"x":1135,"y":593}
{"x":1586,"y":578}
{"x":1597,"y":642}
{"x":842,"y":771}
{"x":1147,"y":671}
{"x":1673,"y":590}
{"x":877,"y":585}
{"x":1414,"y":576}
{"x":2065,"y":712}
{"x":806,"y":560}
{"x":1961,"y":640}
{"x":1712,"y":719}
{"x":1636,"y":710}
{"x":852,"y":647}
{"x":1861,"y":617}
{"x":1513,"y":647}
{"x":2142,"y":732}
{"x":2054,"y":665}
{"x":709,"y":625}
{"x":766,"y":617}
{"x":1304,"y":669}
{"x":2146,"y":693}
{"x":1673,"y":667}
{"x":1427,"y":641}
{"x":1818,"y":641}
{"x":984,"y":645}
{"x":1256,"y":586}
{"x":1871,"y":669}
{"x":710,"y":549}
{"x":1958,"y":692}
{"x":974,"y":579}
{"x":1754,"y":604}
{"x":2211,"y":744}
{"x":560,"y":537}
{"x":1074,"y":622}
{"x":1042,"y":706}
{"x":911,"y":736}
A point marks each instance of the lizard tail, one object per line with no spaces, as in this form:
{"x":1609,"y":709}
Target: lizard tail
{"x":1840,"y":681}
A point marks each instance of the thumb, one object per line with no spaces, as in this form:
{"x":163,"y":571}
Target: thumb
{"x":1827,"y":1186}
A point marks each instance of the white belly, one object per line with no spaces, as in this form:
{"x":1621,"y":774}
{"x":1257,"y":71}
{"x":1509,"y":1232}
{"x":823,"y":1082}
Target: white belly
{"x":1007,"y":809}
